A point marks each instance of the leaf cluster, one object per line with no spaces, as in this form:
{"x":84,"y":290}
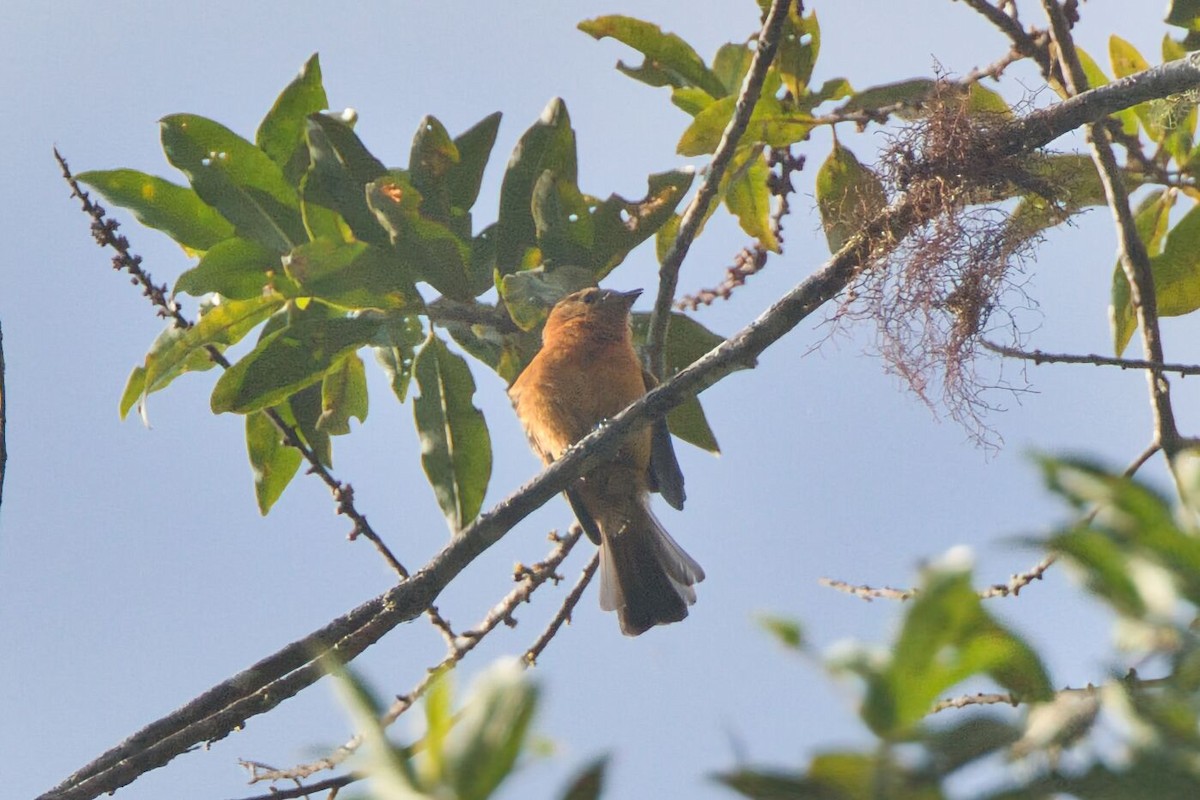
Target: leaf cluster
{"x":307,"y":237}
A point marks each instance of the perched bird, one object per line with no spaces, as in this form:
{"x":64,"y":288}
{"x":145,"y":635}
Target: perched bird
{"x":586,"y":372}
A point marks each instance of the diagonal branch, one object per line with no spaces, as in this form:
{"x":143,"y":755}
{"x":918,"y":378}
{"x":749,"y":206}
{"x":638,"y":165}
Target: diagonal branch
{"x":227,"y":706}
{"x":696,"y":212}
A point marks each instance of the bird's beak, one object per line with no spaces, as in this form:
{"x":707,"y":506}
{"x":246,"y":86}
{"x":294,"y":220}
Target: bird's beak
{"x":626,"y":299}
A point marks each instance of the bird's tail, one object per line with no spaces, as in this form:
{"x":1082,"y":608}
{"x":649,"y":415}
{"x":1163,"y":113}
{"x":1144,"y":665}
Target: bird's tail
{"x":645,"y":576}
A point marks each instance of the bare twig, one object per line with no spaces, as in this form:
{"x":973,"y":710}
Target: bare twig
{"x":697,"y":210}
{"x":1040,"y":357}
{"x":105,"y":232}
{"x":305,"y":790}
{"x":868,"y":593}
{"x":564,"y":611}
{"x":228,"y":705}
{"x":1131,"y":681}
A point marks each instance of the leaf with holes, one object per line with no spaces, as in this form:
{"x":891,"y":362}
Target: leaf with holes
{"x":237,"y":178}
{"x":669,"y":59}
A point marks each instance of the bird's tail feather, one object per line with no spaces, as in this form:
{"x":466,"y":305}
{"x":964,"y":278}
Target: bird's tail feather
{"x":645,"y":576}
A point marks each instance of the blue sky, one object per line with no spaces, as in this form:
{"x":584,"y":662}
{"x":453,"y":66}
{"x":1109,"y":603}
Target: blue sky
{"x":135,"y":571}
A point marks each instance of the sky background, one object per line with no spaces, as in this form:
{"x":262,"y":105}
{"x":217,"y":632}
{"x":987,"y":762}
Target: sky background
{"x":135,"y":571}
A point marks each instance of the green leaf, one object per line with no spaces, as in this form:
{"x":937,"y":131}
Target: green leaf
{"x":484,"y":746}
{"x":433,"y":252}
{"x":749,"y":199}
{"x":1075,"y":185}
{"x":1105,"y":564}
{"x":474,"y":149}
{"x":1184,"y":13}
{"x":548,"y":145}
{"x":562,"y":220}
{"x":387,"y":765}
{"x":343,"y":395}
{"x":847,"y":194}
{"x":352,"y":276}
{"x":1126,"y":60}
{"x":910,"y":93}
{"x":456,"y":451}
{"x":771,"y":123}
{"x":340,"y":171}
{"x":785,"y":630}
{"x":431,"y":160}
{"x":1176,"y":273}
{"x":135,"y":390}
{"x":588,"y":783}
{"x":439,"y":721}
{"x":1152,"y":218}
{"x":691,"y":100}
{"x":1136,"y":518}
{"x":235,"y":177}
{"x":395,"y":350}
{"x":289,"y":359}
{"x":305,"y":408}
{"x":947,"y":637}
{"x":687,"y":340}
{"x":236,"y":268}
{"x":530,"y":294}
{"x":760,"y":784}
{"x":963,"y":743}
{"x":274,"y":463}
{"x":730,"y":66}
{"x":156,"y":203}
{"x":669,"y":59}
{"x":621,"y":225}
{"x":180,"y":350}
{"x":281,"y":133}
{"x":799,"y":46}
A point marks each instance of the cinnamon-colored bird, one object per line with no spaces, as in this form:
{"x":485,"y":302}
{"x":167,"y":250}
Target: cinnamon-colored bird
{"x":586,"y":372}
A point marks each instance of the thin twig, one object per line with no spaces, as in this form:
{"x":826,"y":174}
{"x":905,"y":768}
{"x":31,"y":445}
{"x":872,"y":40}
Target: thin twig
{"x":302,"y":790}
{"x":458,"y":645}
{"x":228,"y":705}
{"x":105,"y":232}
{"x":564,"y":611}
{"x":697,"y":210}
{"x":1039,"y":357}
{"x":868,"y":593}
{"x":1130,"y":681}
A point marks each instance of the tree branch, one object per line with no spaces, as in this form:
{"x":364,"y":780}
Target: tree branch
{"x":228,"y":705}
{"x":1040,"y":357}
{"x":697,"y":210}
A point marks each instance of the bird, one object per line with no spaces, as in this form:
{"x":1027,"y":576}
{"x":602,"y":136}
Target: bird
{"x":587,"y":371}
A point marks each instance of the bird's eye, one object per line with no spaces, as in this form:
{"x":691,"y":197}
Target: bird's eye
{"x":590,"y":297}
